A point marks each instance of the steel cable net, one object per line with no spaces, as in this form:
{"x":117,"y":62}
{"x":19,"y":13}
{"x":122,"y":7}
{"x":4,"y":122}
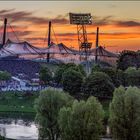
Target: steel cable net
{"x":57,"y":51}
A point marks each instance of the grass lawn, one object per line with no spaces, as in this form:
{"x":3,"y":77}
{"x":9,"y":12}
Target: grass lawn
{"x":17,"y":102}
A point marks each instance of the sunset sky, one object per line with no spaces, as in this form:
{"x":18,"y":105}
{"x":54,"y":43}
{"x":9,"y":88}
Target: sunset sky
{"x":119,"y":22}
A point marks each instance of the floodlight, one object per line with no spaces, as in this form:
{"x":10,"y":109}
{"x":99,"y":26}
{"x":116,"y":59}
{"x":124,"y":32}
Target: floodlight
{"x":80,"y":19}
{"x":86,"y":45}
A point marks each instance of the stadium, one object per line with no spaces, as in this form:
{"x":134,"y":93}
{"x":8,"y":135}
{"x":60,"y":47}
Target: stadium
{"x":23,"y":60}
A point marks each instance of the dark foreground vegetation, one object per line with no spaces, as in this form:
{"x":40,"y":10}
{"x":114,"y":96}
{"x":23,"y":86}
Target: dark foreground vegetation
{"x":60,"y":116}
{"x":79,"y":115}
{"x":85,"y":103}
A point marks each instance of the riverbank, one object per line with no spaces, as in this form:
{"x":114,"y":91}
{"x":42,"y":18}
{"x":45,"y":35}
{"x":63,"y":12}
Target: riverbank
{"x":23,"y":102}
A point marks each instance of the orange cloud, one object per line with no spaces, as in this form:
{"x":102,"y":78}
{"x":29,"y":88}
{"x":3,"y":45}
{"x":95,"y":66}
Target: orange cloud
{"x":114,"y":34}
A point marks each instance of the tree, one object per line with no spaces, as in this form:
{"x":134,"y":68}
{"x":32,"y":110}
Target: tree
{"x":48,"y":106}
{"x":125,"y":114}
{"x":132,"y":76}
{"x":82,"y":121}
{"x":58,"y":75}
{"x":128,"y":59}
{"x":115,"y":75}
{"x":72,"y":81}
{"x":98,"y":84}
{"x":45,"y":75}
{"x":63,"y":68}
{"x":121,"y":77}
{"x":5,"y":75}
{"x":96,"y":68}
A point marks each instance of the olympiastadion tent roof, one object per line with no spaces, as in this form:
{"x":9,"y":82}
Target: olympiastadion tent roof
{"x":24,"y":48}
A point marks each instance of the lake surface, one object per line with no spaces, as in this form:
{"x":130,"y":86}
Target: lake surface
{"x":18,"y":128}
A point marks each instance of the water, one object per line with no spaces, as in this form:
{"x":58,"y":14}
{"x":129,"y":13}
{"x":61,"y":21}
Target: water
{"x":18,"y":128}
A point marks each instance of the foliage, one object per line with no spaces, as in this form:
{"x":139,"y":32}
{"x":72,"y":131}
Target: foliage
{"x":72,"y":81}
{"x":63,"y":68}
{"x":121,"y":78}
{"x":128,"y":59}
{"x":58,"y":75}
{"x":5,"y":75}
{"x":132,"y":76}
{"x":45,"y":75}
{"x":82,"y":121}
{"x":116,"y":75}
{"x":96,"y":68}
{"x":48,"y":106}
{"x":125,"y":114}
{"x":98,"y":84}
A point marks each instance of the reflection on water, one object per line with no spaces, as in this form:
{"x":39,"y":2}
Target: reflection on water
{"x":20,"y":129}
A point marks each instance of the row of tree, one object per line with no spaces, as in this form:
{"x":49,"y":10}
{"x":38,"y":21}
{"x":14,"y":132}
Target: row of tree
{"x":60,"y":116}
{"x":101,"y":82}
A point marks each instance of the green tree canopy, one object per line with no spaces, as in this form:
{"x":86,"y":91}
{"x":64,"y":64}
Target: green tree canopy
{"x":58,"y":75}
{"x":72,"y":81}
{"x":63,"y":68}
{"x":48,"y":106}
{"x":116,"y":75}
{"x":132,"y":76}
{"x":125,"y":114}
{"x":45,"y":75}
{"x":5,"y":75}
{"x":98,"y":84}
{"x":96,"y":68}
{"x":128,"y":59}
{"x":82,"y":121}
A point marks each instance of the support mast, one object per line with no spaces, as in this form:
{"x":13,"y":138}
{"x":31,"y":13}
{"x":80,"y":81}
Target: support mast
{"x":97,"y":44}
{"x":4,"y":32}
{"x":49,"y":41}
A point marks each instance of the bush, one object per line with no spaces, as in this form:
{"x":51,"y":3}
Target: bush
{"x":125,"y":114}
{"x":82,"y":121}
